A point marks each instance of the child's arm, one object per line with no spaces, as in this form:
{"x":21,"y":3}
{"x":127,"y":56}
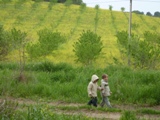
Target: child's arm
{"x":90,"y":90}
{"x":103,"y":85}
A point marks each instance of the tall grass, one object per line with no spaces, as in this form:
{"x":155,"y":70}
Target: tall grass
{"x":128,"y":115}
{"x":67,"y":83}
{"x":37,"y":112}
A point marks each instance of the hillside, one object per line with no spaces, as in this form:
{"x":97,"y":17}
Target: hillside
{"x":69,"y":20}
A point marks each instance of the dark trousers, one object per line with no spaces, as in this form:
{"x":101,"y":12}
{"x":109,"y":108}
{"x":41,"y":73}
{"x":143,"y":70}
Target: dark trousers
{"x":93,"y":101}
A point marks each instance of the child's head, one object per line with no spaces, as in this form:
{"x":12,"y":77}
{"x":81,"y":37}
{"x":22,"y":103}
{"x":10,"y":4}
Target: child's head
{"x":105,"y":77}
{"x":94,"y":78}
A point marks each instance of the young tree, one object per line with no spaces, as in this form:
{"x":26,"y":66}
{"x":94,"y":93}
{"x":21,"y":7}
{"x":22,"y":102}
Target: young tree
{"x":110,"y":7}
{"x":68,"y":2}
{"x":88,"y":47}
{"x":144,"y":52}
{"x":48,"y":41}
{"x":122,"y":9}
{"x":52,"y":2}
{"x":5,"y":43}
{"x":157,"y":14}
{"x":149,"y":14}
{"x":96,"y":19}
{"x":82,"y":7}
{"x":19,"y":41}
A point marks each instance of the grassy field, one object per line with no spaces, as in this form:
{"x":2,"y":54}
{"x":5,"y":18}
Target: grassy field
{"x":71,"y":21}
{"x":60,"y":79}
{"x":59,"y":85}
{"x":66,"y":83}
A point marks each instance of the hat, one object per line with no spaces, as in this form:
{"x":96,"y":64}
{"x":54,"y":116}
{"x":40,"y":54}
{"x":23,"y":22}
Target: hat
{"x":94,"y":77}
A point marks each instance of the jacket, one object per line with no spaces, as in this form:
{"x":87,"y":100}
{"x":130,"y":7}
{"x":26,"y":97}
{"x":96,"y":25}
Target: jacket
{"x":92,"y":87}
{"x":105,"y":87}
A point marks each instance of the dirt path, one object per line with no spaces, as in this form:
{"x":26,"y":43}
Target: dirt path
{"x":87,"y":112}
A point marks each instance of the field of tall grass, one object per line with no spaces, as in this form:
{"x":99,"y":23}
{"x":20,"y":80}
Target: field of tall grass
{"x":67,"y":83}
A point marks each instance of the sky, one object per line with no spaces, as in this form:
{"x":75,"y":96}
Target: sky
{"x":142,"y":5}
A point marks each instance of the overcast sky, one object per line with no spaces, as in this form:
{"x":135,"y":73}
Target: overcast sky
{"x":141,"y":5}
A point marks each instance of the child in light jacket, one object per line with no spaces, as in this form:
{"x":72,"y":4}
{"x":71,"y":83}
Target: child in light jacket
{"x":106,"y":91}
{"x":92,"y":90}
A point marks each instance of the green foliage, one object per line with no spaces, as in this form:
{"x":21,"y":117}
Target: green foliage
{"x":52,"y":2}
{"x":147,"y":50}
{"x":138,"y":12}
{"x":11,"y":66}
{"x":149,"y":14}
{"x":7,"y":109}
{"x":122,"y":9}
{"x":82,"y":7}
{"x":48,"y":66}
{"x":96,"y":17}
{"x":149,"y":111}
{"x":5,"y":43}
{"x":61,"y":81}
{"x":128,"y":115}
{"x":144,"y":52}
{"x":63,"y":76}
{"x":18,"y":3}
{"x":40,"y":112}
{"x":157,"y":14}
{"x":18,"y":38}
{"x":110,"y":7}
{"x":38,"y":0}
{"x":88,"y":47}
{"x":68,"y":2}
{"x":19,"y":41}
{"x":5,"y":1}
{"x":48,"y":41}
{"x":122,"y":38}
{"x":37,"y":113}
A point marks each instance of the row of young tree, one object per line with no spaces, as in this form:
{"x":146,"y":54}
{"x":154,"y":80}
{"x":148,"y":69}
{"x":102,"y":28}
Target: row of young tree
{"x":144,"y":51}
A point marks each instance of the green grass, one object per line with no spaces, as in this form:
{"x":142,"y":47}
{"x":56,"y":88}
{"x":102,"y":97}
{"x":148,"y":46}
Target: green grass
{"x":32,"y":17}
{"x":38,"y":112}
{"x":128,"y":115}
{"x":149,"y":111}
{"x":66,"y":83}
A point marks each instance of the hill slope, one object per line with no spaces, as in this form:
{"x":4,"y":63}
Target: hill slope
{"x":31,"y":17}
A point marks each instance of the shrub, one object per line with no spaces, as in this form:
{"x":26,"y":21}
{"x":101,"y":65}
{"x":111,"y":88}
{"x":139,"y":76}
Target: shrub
{"x":88,"y":47}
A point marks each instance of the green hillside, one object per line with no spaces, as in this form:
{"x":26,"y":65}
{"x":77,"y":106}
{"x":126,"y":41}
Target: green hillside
{"x":71,"y":21}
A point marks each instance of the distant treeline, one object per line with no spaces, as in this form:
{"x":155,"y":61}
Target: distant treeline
{"x":156,"y":14}
{"x":77,"y":2}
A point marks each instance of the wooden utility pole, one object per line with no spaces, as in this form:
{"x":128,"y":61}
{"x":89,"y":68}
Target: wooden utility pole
{"x":129,"y":32}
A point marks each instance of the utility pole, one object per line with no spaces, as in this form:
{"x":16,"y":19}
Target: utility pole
{"x":129,"y":32}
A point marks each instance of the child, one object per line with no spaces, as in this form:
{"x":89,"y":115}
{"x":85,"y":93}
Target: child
{"x":92,"y":90}
{"x":106,"y":91}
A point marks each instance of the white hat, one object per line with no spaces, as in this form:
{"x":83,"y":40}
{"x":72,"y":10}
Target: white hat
{"x":94,"y":77}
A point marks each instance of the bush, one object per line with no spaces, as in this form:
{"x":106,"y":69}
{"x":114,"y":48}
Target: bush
{"x":63,"y":76}
{"x":48,"y":66}
{"x":88,"y":47}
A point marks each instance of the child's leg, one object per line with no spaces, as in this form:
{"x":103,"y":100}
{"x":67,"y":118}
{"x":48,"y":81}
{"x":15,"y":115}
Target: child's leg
{"x":94,"y":101}
{"x":107,"y":102}
{"x":103,"y":101}
{"x":90,"y":102}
